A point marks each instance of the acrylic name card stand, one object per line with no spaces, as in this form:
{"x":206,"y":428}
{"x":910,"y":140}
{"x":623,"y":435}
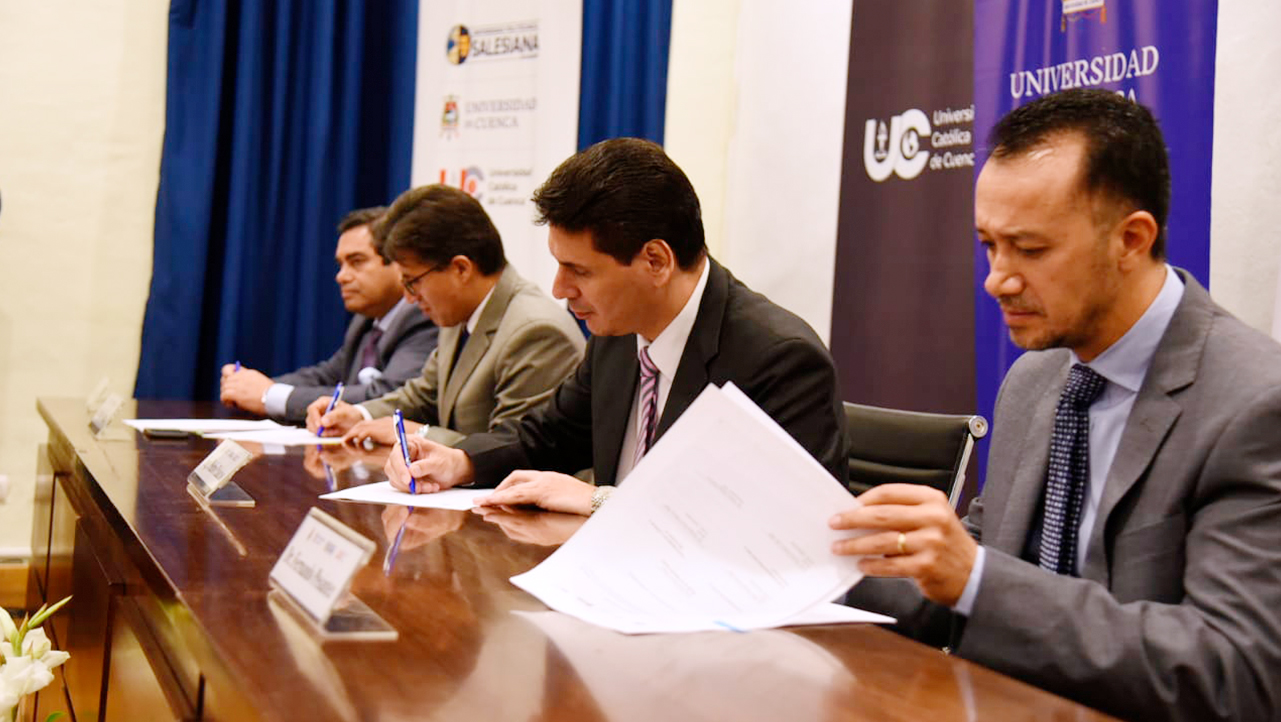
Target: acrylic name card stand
{"x":312,"y":577}
{"x":210,"y":482}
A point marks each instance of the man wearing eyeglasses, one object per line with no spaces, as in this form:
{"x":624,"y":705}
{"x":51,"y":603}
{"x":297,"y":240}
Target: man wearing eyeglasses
{"x":504,"y":344}
{"x":386,"y":343}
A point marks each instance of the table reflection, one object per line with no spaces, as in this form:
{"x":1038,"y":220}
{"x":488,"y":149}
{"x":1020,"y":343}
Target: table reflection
{"x":543,"y":528}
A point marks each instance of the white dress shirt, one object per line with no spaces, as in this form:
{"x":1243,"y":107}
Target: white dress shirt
{"x":665,"y":351}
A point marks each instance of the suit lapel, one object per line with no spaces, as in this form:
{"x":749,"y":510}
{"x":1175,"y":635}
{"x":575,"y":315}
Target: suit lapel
{"x":1029,"y":476}
{"x":700,"y":348}
{"x":477,"y":344}
{"x":615,"y":373}
{"x":1174,"y":367}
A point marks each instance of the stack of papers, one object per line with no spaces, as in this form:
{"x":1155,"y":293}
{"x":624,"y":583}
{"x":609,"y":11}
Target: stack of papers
{"x":723,"y":525}
{"x":262,"y":431}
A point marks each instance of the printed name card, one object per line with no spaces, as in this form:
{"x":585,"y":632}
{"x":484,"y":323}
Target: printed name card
{"x":316,"y":568}
{"x":217,"y":469}
{"x":105,"y":414}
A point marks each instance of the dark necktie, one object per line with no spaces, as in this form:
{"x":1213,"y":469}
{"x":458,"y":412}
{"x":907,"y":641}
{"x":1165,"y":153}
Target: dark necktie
{"x":648,"y":405}
{"x":369,"y":354}
{"x":458,"y":350}
{"x":1069,"y":470}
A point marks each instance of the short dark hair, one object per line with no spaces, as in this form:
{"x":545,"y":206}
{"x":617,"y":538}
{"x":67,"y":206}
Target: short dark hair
{"x":437,"y":222}
{"x":365,"y":217}
{"x":627,"y":192}
{"x":1125,"y":151}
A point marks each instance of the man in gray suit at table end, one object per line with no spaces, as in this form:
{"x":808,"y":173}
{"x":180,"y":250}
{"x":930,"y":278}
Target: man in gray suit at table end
{"x":1126,"y":549}
{"x":385,"y":345}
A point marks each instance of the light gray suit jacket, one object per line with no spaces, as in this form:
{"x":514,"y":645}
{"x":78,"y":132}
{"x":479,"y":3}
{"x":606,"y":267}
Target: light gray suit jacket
{"x":524,"y":345}
{"x":1177,"y":614}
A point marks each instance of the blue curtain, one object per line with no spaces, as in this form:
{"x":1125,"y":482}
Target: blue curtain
{"x":624,"y":70}
{"x":280,"y":118}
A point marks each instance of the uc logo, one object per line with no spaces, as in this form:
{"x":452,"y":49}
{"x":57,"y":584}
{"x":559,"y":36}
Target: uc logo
{"x":897,"y":149}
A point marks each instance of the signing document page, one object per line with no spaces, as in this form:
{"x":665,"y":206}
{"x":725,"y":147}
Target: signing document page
{"x":723,"y":525}
{"x":383,"y":493}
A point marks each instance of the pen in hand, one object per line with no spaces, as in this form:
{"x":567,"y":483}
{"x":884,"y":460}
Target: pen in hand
{"x":237,"y":366}
{"x":404,"y":449}
{"x":332,"y":403}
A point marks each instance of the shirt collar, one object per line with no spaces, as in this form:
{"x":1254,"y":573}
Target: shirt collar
{"x":1126,"y":362}
{"x":387,"y":319}
{"x":480,"y":308}
{"x":665,"y":351}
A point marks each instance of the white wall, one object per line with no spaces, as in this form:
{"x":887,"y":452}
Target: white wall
{"x":763,"y":145}
{"x":81,"y":121}
{"x":1245,"y":212}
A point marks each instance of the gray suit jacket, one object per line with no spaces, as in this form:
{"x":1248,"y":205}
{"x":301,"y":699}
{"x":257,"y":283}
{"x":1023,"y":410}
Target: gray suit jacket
{"x":1177,"y":615}
{"x":524,"y":345}
{"x":401,"y":352}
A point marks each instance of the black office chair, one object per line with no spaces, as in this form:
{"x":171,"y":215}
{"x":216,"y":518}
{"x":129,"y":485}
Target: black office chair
{"x":888,"y":445}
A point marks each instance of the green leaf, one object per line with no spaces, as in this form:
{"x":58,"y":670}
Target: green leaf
{"x":52,"y":716}
{"x":44,"y":614}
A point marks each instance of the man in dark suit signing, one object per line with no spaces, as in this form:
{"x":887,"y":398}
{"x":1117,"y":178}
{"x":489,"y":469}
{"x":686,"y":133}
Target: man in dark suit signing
{"x":1126,"y":549}
{"x":386,"y":342}
{"x":626,"y":230}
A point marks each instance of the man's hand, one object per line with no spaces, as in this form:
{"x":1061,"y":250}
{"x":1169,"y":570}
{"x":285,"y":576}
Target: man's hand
{"x":377,"y":431}
{"x":543,"y":528}
{"x":435,"y":467}
{"x":336,"y":422}
{"x":934,"y":550}
{"x":244,"y":388}
{"x":544,"y":489}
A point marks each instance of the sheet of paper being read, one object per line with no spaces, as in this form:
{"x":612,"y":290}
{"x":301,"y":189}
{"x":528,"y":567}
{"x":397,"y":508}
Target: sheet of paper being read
{"x":723,"y":525}
{"x":383,"y":493}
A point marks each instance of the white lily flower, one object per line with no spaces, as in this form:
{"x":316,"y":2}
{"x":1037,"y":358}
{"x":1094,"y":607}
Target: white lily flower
{"x":8,"y":700}
{"x":36,"y":644}
{"x":25,"y":675}
{"x":7,"y":627}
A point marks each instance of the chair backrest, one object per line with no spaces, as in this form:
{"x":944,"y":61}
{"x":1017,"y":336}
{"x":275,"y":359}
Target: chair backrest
{"x":889,"y":445}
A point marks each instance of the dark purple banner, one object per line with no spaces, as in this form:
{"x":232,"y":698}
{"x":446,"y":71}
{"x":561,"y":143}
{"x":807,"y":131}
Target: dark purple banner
{"x":902,"y":316}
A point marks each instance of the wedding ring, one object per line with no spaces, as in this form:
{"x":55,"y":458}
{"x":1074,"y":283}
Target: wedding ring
{"x":902,"y":543}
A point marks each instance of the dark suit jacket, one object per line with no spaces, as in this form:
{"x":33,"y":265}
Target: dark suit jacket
{"x":1177,"y":615}
{"x":738,"y":335}
{"x":402,"y":351}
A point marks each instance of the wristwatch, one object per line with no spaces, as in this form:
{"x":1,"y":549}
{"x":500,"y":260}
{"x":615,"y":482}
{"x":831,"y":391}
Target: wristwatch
{"x":600,"y":495}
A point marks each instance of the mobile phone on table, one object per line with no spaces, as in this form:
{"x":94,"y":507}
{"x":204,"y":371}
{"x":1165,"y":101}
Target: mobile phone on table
{"x":165,"y":434}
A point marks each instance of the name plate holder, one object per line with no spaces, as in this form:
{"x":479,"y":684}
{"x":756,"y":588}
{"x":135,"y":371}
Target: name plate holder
{"x":210,"y":482}
{"x":312,"y":577}
{"x":104,"y":415}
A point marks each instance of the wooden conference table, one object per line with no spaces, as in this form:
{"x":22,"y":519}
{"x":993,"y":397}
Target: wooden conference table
{"x":171,"y":620}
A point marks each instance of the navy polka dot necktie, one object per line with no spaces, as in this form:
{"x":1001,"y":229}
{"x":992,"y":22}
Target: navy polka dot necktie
{"x":1069,"y":470}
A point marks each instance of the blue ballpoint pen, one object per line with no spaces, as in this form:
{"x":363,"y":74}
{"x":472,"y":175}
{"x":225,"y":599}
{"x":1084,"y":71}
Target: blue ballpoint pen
{"x":237,"y":366}
{"x":404,"y":449}
{"x":332,"y":403}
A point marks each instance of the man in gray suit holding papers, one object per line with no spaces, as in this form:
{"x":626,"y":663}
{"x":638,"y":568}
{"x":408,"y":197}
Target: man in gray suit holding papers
{"x":1126,"y":549}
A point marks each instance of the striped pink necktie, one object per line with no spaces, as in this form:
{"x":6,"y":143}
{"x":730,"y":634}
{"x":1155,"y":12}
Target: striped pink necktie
{"x":648,"y":404}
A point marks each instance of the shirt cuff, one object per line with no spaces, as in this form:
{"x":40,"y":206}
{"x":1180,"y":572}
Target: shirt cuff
{"x":364,"y":412}
{"x":277,"y":399}
{"x":966,"y":603}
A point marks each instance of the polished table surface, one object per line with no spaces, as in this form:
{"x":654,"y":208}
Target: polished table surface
{"x":462,"y":653}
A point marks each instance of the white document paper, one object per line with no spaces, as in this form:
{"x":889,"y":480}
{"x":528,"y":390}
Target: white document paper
{"x":723,"y":525}
{"x":280,"y":436}
{"x":199,"y":426}
{"x":383,"y":493}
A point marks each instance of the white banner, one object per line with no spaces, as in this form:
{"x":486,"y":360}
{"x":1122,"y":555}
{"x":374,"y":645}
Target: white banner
{"x":496,"y":109}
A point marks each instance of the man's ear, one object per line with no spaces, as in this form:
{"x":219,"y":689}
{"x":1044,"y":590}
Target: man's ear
{"x":659,"y":259}
{"x":1137,"y":231}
